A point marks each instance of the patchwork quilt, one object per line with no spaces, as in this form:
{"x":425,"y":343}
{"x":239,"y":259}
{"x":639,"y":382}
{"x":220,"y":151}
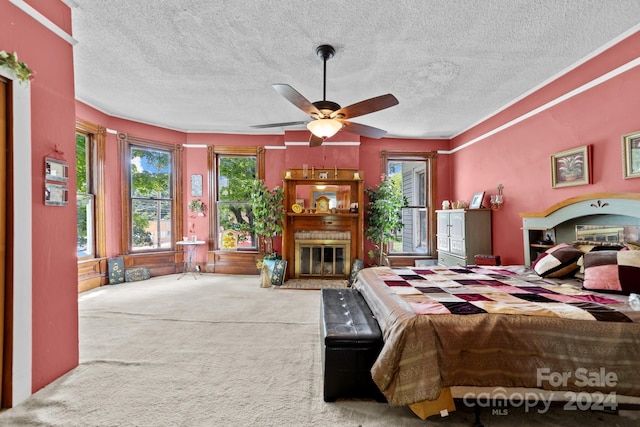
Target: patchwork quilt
{"x":495,"y":326}
{"x":475,"y":290}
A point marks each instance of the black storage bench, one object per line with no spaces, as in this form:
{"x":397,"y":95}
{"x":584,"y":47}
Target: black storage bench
{"x":352,"y":341}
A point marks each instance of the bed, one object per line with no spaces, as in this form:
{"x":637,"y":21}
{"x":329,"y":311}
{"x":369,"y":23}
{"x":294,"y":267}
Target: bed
{"x":458,"y":332}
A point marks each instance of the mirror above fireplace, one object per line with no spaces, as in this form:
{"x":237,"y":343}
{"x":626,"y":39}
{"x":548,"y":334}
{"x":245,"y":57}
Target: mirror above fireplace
{"x":339,"y":195}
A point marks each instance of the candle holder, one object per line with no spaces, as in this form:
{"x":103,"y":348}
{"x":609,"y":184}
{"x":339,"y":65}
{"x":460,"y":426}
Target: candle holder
{"x":497,"y":200}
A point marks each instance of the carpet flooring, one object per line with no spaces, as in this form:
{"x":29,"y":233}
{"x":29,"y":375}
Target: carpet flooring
{"x":220,"y":351}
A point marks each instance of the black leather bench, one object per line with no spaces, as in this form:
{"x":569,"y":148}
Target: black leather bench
{"x":352,"y":341}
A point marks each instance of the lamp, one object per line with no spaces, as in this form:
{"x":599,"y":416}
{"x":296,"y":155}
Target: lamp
{"x":324,"y":128}
{"x":496,"y":199}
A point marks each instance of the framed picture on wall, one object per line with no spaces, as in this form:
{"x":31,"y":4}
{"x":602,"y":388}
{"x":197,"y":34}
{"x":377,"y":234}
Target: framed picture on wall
{"x":570,"y":167}
{"x":196,"y":185}
{"x":55,"y":194}
{"x":631,"y":155}
{"x":56,"y":170}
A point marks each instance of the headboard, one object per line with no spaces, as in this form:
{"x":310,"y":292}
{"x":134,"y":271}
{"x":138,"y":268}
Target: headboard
{"x":589,"y":209}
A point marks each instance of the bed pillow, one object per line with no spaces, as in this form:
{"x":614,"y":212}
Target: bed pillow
{"x":559,"y":261}
{"x":587,"y":246}
{"x":612,"y":271}
{"x":632,"y":246}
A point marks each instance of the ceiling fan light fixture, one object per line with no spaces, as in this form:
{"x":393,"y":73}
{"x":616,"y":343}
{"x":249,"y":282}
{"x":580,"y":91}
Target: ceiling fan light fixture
{"x":324,"y":128}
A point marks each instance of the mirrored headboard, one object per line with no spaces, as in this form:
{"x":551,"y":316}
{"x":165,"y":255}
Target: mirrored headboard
{"x":607,"y":234}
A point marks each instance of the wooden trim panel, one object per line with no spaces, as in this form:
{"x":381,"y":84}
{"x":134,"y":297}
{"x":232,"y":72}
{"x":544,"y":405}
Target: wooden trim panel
{"x":233,"y":262}
{"x":581,"y":198}
{"x":92,"y":273}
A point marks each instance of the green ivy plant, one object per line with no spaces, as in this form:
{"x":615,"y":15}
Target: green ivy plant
{"x":267,"y":207}
{"x":10,"y":61}
{"x":197,"y":206}
{"x":384,"y":215}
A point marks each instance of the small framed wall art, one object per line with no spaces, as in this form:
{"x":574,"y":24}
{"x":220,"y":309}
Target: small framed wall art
{"x":56,"y":178}
{"x":631,"y":155}
{"x":55,"y":194}
{"x":56,"y":170}
{"x":196,"y":185}
{"x":571,"y":167}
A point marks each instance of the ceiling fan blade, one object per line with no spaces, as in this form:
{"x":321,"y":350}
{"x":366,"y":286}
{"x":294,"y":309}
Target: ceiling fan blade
{"x":315,"y":141}
{"x":294,"y":97}
{"x":367,"y":106}
{"x":278,"y":125}
{"x":364,"y":130}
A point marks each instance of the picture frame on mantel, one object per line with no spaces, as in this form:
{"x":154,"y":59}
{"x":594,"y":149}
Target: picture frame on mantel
{"x":571,"y":167}
{"x":631,"y":155}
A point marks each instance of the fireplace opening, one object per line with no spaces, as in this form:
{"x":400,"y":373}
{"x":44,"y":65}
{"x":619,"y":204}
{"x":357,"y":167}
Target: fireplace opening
{"x":327,"y":257}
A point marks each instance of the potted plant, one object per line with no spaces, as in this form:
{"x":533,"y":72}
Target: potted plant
{"x":384,"y":216}
{"x":570,"y":167}
{"x":267,"y":207}
{"x":197,"y":206}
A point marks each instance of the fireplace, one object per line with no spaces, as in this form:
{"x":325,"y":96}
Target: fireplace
{"x":318,"y":240}
{"x":325,"y":254}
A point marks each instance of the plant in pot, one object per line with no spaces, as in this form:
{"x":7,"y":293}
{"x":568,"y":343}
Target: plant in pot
{"x":267,"y":209}
{"x":384,"y":216}
{"x":570,"y":167}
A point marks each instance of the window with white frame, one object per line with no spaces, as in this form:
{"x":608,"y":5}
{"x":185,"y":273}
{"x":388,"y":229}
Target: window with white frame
{"x":85,"y":196}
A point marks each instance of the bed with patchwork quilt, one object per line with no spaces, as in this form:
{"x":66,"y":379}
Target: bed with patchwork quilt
{"x":507,"y":327}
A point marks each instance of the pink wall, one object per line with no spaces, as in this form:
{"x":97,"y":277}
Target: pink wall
{"x":519,"y":156}
{"x":195,"y":162}
{"x":54,"y":275}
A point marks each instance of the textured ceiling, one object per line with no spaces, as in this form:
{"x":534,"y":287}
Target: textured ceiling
{"x":208,"y":66}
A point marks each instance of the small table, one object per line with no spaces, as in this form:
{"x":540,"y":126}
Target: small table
{"x":189,"y":258}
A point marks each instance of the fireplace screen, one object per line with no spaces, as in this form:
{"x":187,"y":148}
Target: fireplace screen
{"x":322,"y":258}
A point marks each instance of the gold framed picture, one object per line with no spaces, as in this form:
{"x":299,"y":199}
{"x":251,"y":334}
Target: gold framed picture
{"x":631,"y":155}
{"x":571,"y":167}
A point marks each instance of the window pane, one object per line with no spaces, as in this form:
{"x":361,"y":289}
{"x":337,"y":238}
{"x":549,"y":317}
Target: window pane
{"x":235,"y":175}
{"x":412,"y":239}
{"x":235,"y":178}
{"x":237,"y":217}
{"x":81,"y":164}
{"x":150,"y":173}
{"x":84,"y":200}
{"x":85,"y":225}
{"x":151,"y":224}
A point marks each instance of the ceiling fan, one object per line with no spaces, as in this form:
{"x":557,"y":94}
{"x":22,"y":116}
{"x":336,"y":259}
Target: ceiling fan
{"x":329,"y":117}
